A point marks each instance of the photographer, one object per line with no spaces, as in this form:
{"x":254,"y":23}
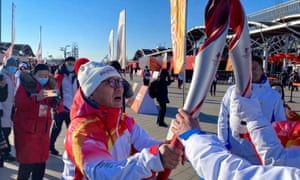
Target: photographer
{"x":32,"y":121}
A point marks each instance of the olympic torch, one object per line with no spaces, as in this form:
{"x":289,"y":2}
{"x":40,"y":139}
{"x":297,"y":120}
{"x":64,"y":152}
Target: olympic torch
{"x":206,"y":63}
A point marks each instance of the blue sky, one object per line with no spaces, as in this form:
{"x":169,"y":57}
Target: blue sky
{"x":88,"y":23}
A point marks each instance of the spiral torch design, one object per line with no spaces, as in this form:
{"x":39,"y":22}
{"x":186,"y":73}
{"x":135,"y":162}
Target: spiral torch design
{"x":209,"y":54}
{"x":217,"y":22}
{"x":240,"y":49}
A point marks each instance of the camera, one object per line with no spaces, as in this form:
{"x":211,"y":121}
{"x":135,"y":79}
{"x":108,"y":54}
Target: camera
{"x":51,"y":93}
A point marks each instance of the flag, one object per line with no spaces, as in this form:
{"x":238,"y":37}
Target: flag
{"x":13,"y":34}
{"x":9,"y":51}
{"x":39,"y":49}
{"x":121,"y":49}
{"x":178,"y":28}
{"x":111,"y":44}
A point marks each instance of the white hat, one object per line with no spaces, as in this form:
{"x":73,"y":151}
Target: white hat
{"x":91,"y":75}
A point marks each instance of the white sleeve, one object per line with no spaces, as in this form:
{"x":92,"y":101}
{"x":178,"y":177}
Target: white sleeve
{"x":138,"y":166}
{"x":212,"y":161}
{"x":262,"y":133}
{"x":141,"y":139}
{"x":223,"y":120}
{"x":269,"y":147}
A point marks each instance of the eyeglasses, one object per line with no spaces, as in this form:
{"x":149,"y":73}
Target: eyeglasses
{"x":115,"y":83}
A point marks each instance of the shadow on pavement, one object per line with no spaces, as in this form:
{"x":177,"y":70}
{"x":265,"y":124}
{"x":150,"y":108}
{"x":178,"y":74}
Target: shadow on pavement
{"x":208,"y":118}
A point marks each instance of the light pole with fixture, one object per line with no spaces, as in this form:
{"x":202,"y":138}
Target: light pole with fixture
{"x":64,"y":49}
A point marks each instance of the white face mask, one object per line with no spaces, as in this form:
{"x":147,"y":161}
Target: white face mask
{"x":70,"y":68}
{"x":42,"y":81}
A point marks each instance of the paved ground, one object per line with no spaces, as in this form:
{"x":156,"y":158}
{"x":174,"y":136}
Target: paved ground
{"x":208,"y":121}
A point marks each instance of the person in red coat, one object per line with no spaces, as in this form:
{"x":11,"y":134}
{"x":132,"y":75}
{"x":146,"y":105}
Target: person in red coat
{"x":32,"y":121}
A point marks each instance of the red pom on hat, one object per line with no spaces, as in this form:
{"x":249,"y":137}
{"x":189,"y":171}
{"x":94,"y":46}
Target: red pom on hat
{"x":80,"y":62}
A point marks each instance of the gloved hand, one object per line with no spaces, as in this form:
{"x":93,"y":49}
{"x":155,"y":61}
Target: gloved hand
{"x":245,"y":111}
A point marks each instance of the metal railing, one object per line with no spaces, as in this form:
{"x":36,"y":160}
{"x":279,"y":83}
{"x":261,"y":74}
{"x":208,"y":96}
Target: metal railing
{"x":276,"y":12}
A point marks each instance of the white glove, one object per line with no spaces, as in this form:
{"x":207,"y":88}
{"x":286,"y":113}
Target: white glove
{"x":245,"y":111}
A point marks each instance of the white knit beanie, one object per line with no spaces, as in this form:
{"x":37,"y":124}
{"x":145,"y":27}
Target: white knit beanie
{"x":91,"y":75}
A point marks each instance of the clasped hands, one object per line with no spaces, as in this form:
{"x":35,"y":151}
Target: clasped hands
{"x":170,"y":155}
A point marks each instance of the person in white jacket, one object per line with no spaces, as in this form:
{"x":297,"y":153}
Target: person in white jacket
{"x":273,"y":110}
{"x":211,"y":160}
{"x":262,"y":132}
{"x":8,"y":70}
{"x":101,"y":140}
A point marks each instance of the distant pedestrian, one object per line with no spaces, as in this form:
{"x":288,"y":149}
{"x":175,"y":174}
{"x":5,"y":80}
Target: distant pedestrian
{"x":284,"y":78}
{"x":214,"y":85}
{"x":180,"y":80}
{"x":136,"y":68}
{"x":164,"y":80}
{"x":293,"y":78}
{"x":146,"y":76}
{"x":67,"y":86}
{"x":131,"y":72}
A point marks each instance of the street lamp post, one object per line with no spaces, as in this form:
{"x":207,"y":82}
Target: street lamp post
{"x":64,"y":49}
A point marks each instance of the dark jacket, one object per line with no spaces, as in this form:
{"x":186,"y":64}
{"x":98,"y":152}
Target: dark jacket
{"x":164,"y":81}
{"x":128,"y":92}
{"x":3,"y":90}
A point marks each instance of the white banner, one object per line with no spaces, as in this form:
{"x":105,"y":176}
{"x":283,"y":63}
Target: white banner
{"x":121,"y":48}
{"x":111,"y":45}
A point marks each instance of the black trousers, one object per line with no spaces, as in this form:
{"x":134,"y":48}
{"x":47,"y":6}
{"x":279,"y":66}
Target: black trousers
{"x":146,"y":82}
{"x":6,"y":132}
{"x":161,"y":113}
{"x":59,"y":118}
{"x":37,"y":171}
{"x":213,"y":88}
{"x":1,"y":160}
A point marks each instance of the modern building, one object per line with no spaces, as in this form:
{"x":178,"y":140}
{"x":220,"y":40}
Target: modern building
{"x":272,"y":31}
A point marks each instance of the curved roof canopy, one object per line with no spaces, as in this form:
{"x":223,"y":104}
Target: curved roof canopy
{"x":18,"y":50}
{"x":265,"y":30}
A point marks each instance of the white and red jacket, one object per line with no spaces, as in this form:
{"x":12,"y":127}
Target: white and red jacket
{"x":6,"y":121}
{"x":67,"y":85}
{"x":100,"y":142}
{"x":268,"y":145}
{"x":272,"y":108}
